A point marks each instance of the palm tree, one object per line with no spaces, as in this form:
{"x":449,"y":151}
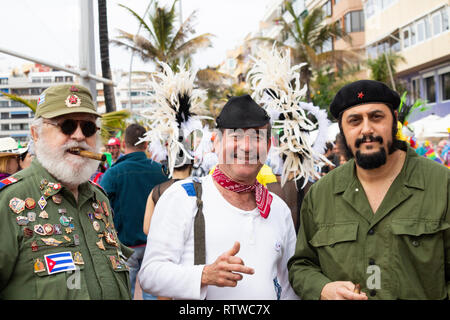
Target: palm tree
{"x":108,"y":90}
{"x":384,"y":67}
{"x":308,"y":36}
{"x":162,"y":42}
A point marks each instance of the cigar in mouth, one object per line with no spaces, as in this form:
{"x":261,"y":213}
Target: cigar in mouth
{"x":357,"y":288}
{"x":87,"y":154}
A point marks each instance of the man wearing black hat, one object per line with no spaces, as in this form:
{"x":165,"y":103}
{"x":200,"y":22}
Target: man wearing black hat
{"x":243,"y":221}
{"x":380,"y":222}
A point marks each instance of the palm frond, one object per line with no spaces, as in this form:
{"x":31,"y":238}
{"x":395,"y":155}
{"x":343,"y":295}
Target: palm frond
{"x":185,"y":29}
{"x":113,"y":121}
{"x":141,"y":21}
{"x":29,"y":103}
{"x":192,"y":45}
{"x":163,"y":23}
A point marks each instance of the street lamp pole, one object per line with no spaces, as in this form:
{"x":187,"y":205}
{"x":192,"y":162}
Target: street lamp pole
{"x":87,"y":46}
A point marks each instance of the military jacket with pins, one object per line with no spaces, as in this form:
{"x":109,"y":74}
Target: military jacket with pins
{"x":53,"y":247}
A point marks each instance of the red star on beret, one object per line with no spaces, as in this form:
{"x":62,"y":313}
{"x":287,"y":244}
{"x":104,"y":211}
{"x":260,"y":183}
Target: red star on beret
{"x":360,"y":95}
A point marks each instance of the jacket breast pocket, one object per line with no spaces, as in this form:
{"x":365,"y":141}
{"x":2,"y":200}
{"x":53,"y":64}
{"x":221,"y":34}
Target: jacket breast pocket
{"x":62,"y":285}
{"x":419,"y":252}
{"x":335,"y":245}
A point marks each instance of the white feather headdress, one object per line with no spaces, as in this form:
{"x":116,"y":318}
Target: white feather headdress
{"x":276,"y":87}
{"x":174,"y":117}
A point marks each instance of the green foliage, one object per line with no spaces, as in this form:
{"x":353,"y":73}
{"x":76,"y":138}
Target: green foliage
{"x":405,"y":111}
{"x":161,"y":41}
{"x":379,"y":68}
{"x":327,"y":83}
{"x":307,"y":37}
{"x":29,"y":103}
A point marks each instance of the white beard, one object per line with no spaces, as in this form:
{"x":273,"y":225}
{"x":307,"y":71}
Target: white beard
{"x":70,"y":169}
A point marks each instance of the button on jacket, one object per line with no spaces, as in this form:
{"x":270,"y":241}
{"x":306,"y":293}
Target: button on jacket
{"x":400,"y":252}
{"x":23,"y":270}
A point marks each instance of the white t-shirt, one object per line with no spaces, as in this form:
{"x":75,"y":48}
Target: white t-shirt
{"x":265,"y":245}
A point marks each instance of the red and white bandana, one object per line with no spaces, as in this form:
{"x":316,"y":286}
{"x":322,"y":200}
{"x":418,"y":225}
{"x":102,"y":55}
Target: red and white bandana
{"x":262,"y":195}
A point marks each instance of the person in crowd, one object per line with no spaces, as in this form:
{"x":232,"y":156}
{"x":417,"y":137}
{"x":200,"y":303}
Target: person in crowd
{"x":56,"y":228}
{"x":202,"y":231}
{"x":113,"y":147}
{"x":10,"y":156}
{"x":443,"y":151}
{"x":9,"y":164}
{"x":128,"y":183}
{"x":377,"y":227}
{"x":330,"y":156}
{"x":27,"y":156}
{"x":179,"y":173}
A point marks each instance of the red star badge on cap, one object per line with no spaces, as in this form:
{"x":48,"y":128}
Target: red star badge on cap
{"x":360,"y":95}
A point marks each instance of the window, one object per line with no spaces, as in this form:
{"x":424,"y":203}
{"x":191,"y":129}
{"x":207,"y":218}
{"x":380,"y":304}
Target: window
{"x":420,"y":31}
{"x":36,"y":80}
{"x":354,"y":21}
{"x":445,"y":24}
{"x":395,"y":42}
{"x":436,"y":20}
{"x":4,"y":115}
{"x":327,"y":45}
{"x":4,"y":104}
{"x":369,"y":8}
{"x":59,"y":79}
{"x":68,"y":79}
{"x":4,"y":81}
{"x":47,"y":80}
{"x":413,"y":34}
{"x":15,"y":104}
{"x":327,"y":9}
{"x":5,"y":127}
{"x":35,"y":91}
{"x":415,"y":89}
{"x":336,"y":2}
{"x":372,"y":52}
{"x":19,"y":115}
{"x":445,"y":83}
{"x":406,"y":37}
{"x":430,"y":89}
{"x":19,"y":126}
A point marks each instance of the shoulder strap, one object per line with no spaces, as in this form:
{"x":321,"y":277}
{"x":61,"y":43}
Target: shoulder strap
{"x":199,"y":228}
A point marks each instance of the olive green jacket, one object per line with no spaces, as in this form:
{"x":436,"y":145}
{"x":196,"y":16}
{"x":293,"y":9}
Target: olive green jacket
{"x":400,"y":252}
{"x":72,"y":227}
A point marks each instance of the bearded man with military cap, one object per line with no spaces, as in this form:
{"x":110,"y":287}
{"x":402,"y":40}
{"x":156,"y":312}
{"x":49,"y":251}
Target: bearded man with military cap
{"x":377,"y":227}
{"x":56,"y":229}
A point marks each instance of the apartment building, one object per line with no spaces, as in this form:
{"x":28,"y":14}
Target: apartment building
{"x":419,"y":31}
{"x":15,"y":118}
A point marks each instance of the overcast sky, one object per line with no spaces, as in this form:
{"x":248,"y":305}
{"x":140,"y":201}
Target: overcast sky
{"x":49,"y":29}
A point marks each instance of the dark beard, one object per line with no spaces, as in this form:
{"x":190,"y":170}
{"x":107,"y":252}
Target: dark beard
{"x":372,"y":160}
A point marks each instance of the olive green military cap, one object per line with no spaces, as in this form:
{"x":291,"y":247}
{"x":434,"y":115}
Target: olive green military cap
{"x":64,"y":99}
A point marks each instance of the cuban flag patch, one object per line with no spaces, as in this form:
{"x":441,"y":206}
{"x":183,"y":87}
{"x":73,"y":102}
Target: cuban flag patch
{"x":41,"y":99}
{"x":59,"y":262}
{"x":7,"y":181}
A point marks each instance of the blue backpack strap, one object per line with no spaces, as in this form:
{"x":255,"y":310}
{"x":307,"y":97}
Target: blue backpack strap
{"x":189,"y":188}
{"x":194,"y":189}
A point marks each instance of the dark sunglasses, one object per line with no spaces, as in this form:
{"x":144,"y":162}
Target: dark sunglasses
{"x":69,"y":126}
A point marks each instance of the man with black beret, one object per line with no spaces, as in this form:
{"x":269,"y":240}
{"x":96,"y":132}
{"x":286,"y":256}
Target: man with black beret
{"x":379,"y":223}
{"x":243,"y":221}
